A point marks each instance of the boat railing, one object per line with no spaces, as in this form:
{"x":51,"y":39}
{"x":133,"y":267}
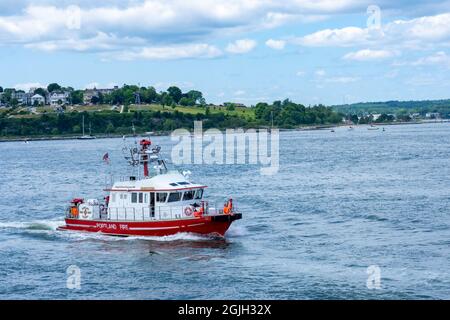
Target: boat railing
{"x":150,"y":214}
{"x":158,"y":213}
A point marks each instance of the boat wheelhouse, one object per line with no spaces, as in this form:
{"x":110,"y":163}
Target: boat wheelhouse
{"x":159,"y":202}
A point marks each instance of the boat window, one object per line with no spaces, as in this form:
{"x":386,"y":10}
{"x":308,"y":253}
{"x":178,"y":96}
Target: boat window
{"x":113,"y":198}
{"x":161,"y":197}
{"x":134,"y":197}
{"x":183,"y":183}
{"x":188,"y":195}
{"x":174,"y":196}
{"x":199,"y":194}
{"x":141,"y":197}
{"x":174,"y":184}
{"x":145,"y":197}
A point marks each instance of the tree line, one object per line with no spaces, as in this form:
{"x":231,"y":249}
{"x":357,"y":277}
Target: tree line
{"x":125,"y":95}
{"x":285,"y":114}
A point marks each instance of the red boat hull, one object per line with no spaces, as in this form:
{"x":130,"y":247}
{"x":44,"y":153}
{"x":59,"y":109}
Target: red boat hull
{"x":208,"y":225}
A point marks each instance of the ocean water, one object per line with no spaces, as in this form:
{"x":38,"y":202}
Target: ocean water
{"x":340,"y":203}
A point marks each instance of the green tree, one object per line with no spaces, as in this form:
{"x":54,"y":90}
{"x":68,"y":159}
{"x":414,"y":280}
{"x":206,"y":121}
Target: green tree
{"x":175,"y":93}
{"x":40,"y":91}
{"x":185,"y":101}
{"x":109,"y":128}
{"x":53,"y":87}
{"x":195,"y":96}
{"x":95,"y":100}
{"x":76,"y":97}
{"x":166,"y":100}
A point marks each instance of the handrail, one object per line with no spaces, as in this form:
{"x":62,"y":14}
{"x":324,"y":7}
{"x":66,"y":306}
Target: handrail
{"x":146,"y":214}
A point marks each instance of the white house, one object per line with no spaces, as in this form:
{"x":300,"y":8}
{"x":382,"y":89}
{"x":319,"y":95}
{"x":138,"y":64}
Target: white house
{"x":57,"y":98}
{"x":433,"y":115}
{"x":376,"y":116}
{"x":37,"y":99}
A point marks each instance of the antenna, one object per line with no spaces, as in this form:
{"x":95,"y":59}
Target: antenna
{"x":137,"y":95}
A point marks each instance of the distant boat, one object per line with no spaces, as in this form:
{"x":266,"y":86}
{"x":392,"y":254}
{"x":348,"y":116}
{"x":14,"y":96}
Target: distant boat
{"x":332,"y":130}
{"x":372,"y":127}
{"x":350,"y":128}
{"x":87,"y":137}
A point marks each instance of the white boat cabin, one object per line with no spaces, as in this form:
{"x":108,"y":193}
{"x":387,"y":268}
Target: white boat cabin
{"x":166,"y":196}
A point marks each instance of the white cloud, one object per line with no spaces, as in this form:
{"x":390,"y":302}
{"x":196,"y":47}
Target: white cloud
{"x":28,"y":86}
{"x":348,"y":36}
{"x":276,"y":44}
{"x":136,"y":25}
{"x":342,"y":79}
{"x":158,"y":21}
{"x":241,"y":46}
{"x":370,"y":55}
{"x":320,"y":73}
{"x":99,"y":42}
{"x":300,"y":73}
{"x":417,"y":33}
{"x":239,"y":93}
{"x":438,"y":58}
{"x":169,"y":52}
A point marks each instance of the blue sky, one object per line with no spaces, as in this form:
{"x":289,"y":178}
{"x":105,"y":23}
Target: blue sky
{"x":324,"y":51}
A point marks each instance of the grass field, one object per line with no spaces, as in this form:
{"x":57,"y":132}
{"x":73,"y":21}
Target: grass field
{"x":247,"y":113}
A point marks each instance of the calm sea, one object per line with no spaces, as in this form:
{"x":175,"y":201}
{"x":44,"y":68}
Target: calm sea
{"x":341,"y":202}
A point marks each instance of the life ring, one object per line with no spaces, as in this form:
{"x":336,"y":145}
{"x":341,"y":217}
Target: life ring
{"x":188,"y":211}
{"x":86,"y":213}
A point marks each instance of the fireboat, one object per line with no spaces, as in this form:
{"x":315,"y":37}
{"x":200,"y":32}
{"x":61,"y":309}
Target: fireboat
{"x":157,"y":202}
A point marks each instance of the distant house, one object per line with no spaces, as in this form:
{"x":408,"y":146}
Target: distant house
{"x":234,"y":104}
{"x":375,"y":116}
{"x":90,"y":93}
{"x":59,"y":98}
{"x":20,"y":96}
{"x":433,"y":115}
{"x":37,"y":99}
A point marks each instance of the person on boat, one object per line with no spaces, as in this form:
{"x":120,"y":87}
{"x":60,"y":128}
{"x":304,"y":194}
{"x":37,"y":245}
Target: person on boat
{"x":199,"y":213}
{"x":228,"y":206}
{"x":74,"y":211}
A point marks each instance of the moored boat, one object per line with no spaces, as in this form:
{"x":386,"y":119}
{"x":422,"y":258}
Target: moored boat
{"x":159,"y":202}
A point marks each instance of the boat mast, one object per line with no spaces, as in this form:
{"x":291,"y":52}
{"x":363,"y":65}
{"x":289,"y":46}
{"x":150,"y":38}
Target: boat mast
{"x":83,"y":125}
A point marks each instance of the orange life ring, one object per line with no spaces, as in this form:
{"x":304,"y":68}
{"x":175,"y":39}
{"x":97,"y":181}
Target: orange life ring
{"x":188,"y":211}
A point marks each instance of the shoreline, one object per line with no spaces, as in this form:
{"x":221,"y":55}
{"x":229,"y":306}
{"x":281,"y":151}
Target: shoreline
{"x":166,"y":133}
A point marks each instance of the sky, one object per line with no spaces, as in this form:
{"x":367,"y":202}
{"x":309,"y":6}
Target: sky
{"x":247,"y":51}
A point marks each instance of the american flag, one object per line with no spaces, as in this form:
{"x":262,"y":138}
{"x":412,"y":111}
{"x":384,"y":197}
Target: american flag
{"x":106,"y":158}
